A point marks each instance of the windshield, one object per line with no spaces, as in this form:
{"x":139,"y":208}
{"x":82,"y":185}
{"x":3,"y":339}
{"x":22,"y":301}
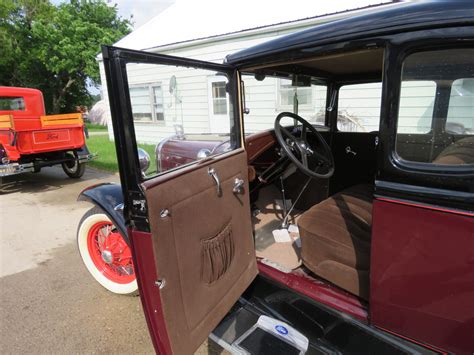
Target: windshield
{"x":266,"y":97}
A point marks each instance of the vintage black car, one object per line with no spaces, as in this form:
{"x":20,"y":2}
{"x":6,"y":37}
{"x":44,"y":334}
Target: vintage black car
{"x":305,"y":237}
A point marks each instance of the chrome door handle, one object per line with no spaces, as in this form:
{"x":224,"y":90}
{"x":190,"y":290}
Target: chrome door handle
{"x":212,"y":173}
{"x":350,"y":151}
{"x":238,"y":186}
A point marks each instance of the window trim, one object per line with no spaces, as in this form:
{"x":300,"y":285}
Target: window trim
{"x":151,"y":97}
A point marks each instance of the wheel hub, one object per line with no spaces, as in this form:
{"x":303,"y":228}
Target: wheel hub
{"x":107,"y":256}
{"x":110,"y":253}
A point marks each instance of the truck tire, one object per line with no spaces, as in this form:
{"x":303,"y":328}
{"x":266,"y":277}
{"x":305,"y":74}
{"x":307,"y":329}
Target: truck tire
{"x":106,"y":254}
{"x":74,"y":169}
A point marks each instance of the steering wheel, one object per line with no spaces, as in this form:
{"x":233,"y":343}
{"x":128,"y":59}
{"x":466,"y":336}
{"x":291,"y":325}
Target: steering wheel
{"x":300,"y":152}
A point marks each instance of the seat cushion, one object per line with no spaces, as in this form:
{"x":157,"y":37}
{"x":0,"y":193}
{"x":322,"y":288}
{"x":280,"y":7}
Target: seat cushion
{"x":458,"y":153}
{"x":335,"y":239}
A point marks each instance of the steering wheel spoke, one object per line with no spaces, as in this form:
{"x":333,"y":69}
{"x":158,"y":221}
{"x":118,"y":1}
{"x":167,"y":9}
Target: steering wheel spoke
{"x":304,"y":159}
{"x":303,"y":132}
{"x":288,"y":134}
{"x":300,"y":152}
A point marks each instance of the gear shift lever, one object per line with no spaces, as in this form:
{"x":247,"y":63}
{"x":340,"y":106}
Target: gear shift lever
{"x":286,"y":213}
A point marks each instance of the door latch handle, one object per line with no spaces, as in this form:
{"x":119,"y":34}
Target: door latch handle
{"x":349,"y":150}
{"x":238,"y":186}
{"x":212,"y":173}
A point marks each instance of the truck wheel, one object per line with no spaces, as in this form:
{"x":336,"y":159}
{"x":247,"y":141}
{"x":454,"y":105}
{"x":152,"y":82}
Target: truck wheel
{"x":105,"y":253}
{"x":74,"y":169}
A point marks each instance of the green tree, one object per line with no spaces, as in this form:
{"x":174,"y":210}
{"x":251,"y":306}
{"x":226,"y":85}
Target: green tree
{"x":54,"y":48}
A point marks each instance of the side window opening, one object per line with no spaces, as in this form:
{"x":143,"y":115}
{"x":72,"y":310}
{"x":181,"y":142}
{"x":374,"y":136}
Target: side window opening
{"x":12,"y":103}
{"x":359,"y":107}
{"x":436,"y":108}
{"x":183,"y":107}
{"x":460,"y":119}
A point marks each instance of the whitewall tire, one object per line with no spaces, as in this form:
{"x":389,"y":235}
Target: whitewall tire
{"x":105,"y":253}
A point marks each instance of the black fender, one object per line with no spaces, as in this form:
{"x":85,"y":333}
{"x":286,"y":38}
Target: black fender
{"x":109,"y":198}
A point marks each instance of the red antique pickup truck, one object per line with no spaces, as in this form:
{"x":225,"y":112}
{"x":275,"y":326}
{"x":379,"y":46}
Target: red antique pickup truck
{"x":31,"y":140}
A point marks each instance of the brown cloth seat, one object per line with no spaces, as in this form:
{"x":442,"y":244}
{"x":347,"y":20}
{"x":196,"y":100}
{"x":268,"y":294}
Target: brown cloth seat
{"x":458,"y":153}
{"x":335,"y":239}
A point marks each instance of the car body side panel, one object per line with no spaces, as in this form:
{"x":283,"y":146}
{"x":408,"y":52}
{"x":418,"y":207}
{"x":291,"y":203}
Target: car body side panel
{"x":422,"y":274}
{"x":149,"y":285}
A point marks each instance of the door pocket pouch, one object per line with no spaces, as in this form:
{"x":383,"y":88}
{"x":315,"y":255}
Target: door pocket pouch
{"x":216,"y":255}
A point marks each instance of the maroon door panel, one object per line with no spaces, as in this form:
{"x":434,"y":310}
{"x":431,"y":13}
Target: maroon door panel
{"x":422,"y":274}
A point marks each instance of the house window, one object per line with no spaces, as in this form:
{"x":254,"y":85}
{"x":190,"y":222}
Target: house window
{"x":147,"y":103}
{"x":286,"y":94}
{"x":219,"y":98}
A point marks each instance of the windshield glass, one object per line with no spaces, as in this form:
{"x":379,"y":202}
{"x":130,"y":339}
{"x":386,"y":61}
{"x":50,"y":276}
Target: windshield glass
{"x":266,"y":97}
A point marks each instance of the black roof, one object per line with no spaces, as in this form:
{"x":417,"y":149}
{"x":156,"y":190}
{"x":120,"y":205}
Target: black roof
{"x":395,"y":18}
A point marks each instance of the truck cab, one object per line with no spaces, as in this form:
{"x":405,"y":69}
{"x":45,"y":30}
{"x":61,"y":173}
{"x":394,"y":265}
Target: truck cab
{"x":31,"y":140}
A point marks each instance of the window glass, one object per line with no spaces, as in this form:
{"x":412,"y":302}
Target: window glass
{"x":180,"y":114}
{"x":263,"y":100}
{"x":436,"y":112}
{"x":12,"y":103}
{"x":141,"y":105}
{"x":416,"y":106}
{"x":158,"y":102}
{"x":460,"y":118}
{"x":219,"y":98}
{"x":147,"y":102}
{"x":287,"y":93}
{"x":359,"y":107}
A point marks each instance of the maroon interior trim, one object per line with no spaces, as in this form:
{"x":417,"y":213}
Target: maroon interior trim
{"x":257,"y":143}
{"x":318,"y":291}
{"x":428,"y":207}
{"x":145,"y":270}
{"x":432,"y":348}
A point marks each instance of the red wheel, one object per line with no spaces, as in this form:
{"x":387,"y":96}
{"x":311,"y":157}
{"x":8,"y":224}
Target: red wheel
{"x":105,"y":253}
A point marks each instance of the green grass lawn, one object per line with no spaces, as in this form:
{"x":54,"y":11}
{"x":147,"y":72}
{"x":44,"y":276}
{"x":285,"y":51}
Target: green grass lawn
{"x":106,"y":158}
{"x":92,"y":127}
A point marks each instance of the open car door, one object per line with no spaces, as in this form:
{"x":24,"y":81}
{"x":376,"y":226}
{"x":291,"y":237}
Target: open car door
{"x":189,"y":227}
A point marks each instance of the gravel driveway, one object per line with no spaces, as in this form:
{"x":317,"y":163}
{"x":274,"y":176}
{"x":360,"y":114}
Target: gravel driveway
{"x":49,"y":303}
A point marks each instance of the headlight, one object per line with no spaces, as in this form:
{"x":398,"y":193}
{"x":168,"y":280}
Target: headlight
{"x":203,"y":153}
{"x":144,"y":160}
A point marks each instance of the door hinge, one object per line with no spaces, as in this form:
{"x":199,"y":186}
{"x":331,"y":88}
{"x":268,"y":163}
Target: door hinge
{"x":160,"y":283}
{"x":139,"y":205}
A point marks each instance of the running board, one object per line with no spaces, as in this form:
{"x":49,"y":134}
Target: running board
{"x":327,"y":331}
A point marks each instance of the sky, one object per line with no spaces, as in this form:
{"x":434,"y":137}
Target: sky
{"x":141,"y":10}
